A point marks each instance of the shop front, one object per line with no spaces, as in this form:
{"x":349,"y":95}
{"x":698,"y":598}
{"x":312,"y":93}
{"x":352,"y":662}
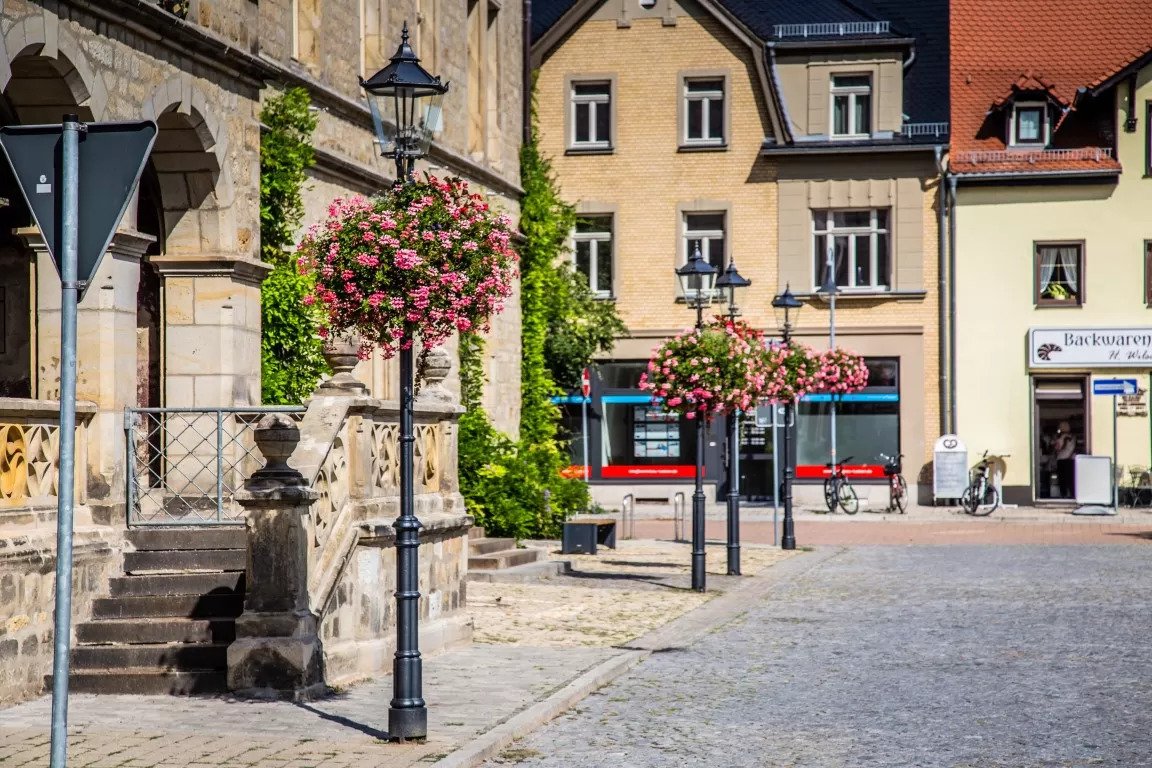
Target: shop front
{"x":1067,"y":419}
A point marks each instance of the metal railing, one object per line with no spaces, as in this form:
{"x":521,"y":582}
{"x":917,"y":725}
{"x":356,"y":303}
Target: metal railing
{"x":834,"y":29}
{"x":925,"y":129}
{"x":628,"y":516}
{"x":1033,"y":155}
{"x":186,"y":464}
{"x":679,"y":504}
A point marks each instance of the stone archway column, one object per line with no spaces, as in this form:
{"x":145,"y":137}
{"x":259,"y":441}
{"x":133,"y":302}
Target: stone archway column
{"x":106,"y":357}
{"x":211,"y":329}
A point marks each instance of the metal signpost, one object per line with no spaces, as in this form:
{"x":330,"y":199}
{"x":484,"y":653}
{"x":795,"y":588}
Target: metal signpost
{"x":585,"y":390}
{"x":58,"y":167}
{"x":1115,"y":388}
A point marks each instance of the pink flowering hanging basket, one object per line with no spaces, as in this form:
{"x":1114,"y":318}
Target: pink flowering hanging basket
{"x":840,"y":372}
{"x":711,"y":370}
{"x":424,"y":259}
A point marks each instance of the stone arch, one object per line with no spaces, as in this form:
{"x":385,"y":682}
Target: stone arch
{"x":45,"y":73}
{"x":189,"y":161}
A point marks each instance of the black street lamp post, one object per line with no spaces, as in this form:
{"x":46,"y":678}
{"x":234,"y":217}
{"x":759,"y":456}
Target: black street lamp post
{"x":729,"y":282}
{"x":405,"y":103}
{"x":697,"y":281}
{"x":787,"y":302}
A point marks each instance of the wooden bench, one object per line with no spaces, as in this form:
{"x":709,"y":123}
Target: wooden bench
{"x":583,"y":534}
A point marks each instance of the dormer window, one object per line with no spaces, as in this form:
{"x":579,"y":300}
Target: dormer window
{"x":1029,"y":127}
{"x":851,"y":106}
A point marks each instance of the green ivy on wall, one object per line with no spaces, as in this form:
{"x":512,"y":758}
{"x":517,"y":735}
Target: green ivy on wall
{"x":291,"y":352}
{"x":515,"y":487}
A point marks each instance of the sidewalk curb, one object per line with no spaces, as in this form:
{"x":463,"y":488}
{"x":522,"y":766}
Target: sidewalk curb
{"x":491,"y":743}
{"x":711,"y":615}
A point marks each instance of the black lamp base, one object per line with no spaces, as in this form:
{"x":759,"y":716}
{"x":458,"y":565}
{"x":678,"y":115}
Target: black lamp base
{"x":407,"y":724}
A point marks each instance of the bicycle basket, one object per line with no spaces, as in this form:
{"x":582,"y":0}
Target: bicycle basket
{"x":892,"y":467}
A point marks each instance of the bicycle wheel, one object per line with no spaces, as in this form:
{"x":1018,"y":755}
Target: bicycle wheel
{"x":901,"y":499}
{"x":989,"y":503}
{"x":970,"y":501}
{"x":846,"y":498}
{"x":830,"y":488}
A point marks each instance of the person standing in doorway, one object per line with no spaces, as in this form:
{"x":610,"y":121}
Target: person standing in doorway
{"x":1064,"y":449}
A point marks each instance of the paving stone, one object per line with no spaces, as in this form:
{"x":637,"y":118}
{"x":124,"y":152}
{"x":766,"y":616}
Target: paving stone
{"x":884,"y":657}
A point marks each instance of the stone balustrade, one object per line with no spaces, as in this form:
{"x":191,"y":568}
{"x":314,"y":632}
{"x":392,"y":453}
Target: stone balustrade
{"x":321,"y":575}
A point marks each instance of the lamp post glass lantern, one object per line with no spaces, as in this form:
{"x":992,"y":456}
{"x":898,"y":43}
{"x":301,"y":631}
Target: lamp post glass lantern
{"x":697,"y":285}
{"x":788,"y":303}
{"x":728,"y":283}
{"x":405,"y":103}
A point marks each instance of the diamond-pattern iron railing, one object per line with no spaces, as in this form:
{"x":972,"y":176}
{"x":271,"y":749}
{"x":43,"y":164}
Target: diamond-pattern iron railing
{"x":186,"y":464}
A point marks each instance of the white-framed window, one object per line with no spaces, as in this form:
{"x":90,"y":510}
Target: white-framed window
{"x":592,"y":115}
{"x":1029,"y":126}
{"x":706,"y":231}
{"x":592,"y":252}
{"x":851,"y":106}
{"x":704,"y":111}
{"x":858,"y":245}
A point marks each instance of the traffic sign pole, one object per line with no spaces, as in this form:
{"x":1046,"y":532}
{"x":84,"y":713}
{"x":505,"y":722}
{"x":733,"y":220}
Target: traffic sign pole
{"x":585,"y":391}
{"x":69,"y":295}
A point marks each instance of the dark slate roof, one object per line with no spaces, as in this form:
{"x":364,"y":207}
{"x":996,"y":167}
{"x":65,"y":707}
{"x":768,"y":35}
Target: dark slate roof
{"x":545,"y":13}
{"x":761,"y":16}
{"x":926,"y":80}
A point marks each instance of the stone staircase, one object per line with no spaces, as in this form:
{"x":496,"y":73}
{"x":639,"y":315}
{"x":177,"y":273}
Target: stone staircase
{"x":494,"y":559}
{"x":169,"y":620}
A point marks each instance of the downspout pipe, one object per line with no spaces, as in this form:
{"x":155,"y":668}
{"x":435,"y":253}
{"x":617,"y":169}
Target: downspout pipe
{"x":526,"y":65}
{"x":908,"y":62}
{"x":944,"y":372}
{"x":952,"y":416}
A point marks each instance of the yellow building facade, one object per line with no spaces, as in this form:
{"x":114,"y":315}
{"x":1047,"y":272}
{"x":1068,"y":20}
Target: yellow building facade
{"x":654,"y":180}
{"x":1052,"y":296}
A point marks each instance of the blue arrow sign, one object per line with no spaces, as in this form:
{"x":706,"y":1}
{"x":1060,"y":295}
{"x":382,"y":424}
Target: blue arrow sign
{"x":1114,"y":387}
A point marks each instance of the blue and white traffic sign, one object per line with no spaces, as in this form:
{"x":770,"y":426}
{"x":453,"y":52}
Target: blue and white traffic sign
{"x":1114,"y":387}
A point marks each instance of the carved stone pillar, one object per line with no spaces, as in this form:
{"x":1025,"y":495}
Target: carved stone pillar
{"x":277,"y":652}
{"x":106,"y":353}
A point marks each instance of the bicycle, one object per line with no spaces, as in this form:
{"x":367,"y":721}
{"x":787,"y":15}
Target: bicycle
{"x":981,"y":498}
{"x":838,"y":491}
{"x":897,"y":485}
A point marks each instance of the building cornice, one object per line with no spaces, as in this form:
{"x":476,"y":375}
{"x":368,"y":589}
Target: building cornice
{"x":863,"y":148}
{"x":257,"y":70}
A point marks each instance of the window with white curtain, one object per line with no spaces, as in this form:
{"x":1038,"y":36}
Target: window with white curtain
{"x":1060,"y":274}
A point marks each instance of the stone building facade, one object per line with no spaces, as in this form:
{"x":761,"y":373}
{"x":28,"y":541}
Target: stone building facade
{"x":172,"y":317}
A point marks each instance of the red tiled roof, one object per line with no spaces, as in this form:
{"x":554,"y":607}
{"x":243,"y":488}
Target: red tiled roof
{"x":1002,"y":47}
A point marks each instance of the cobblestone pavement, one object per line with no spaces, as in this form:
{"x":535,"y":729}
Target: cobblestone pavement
{"x":469,"y":691}
{"x":957,"y":657}
{"x":610,"y":597}
{"x":823,"y":530}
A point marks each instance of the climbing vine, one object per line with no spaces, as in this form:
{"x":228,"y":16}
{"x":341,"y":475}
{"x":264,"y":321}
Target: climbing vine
{"x":516,"y":487}
{"x":290,"y":349}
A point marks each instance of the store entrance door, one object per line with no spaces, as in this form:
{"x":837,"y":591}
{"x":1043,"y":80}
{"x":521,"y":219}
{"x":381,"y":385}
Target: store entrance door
{"x":1060,"y":429}
{"x":755,"y":461}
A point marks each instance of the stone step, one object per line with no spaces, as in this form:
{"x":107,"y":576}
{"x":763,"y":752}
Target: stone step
{"x":156,"y":630}
{"x":524,"y":574}
{"x":182,"y":560}
{"x":157,"y":656}
{"x":485,"y":546}
{"x":505,"y":559}
{"x":220,"y":537}
{"x":143,"y":681}
{"x":476,"y":532}
{"x":225,"y":604}
{"x":178,"y":584}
